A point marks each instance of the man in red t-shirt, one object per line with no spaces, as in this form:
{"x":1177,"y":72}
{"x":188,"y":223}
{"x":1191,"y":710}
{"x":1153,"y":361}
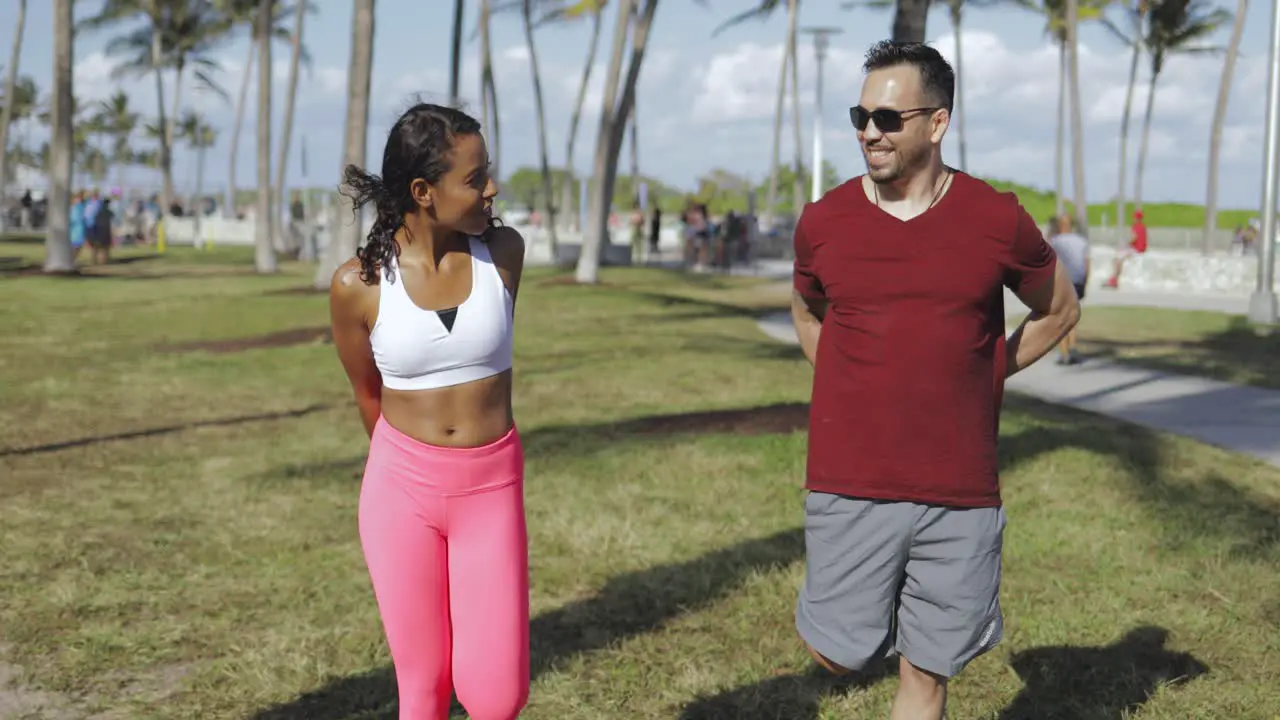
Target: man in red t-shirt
{"x":1137,"y":246}
{"x":899,"y":304}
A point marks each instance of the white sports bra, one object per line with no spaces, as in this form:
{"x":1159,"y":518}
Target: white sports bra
{"x":415,"y":349}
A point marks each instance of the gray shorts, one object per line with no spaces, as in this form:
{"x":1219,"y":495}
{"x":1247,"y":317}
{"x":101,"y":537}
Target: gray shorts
{"x":934,"y":572}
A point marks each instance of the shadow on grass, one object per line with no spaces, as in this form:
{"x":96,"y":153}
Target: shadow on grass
{"x":1060,"y":683}
{"x":581,"y":440}
{"x":628,"y":605}
{"x":1238,"y":353}
{"x":163,"y":430}
{"x":1209,"y":507}
{"x":787,"y":697}
{"x":1104,"y":683}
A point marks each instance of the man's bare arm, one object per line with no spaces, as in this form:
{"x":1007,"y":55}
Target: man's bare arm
{"x":1055,"y":310}
{"x":807,"y":316}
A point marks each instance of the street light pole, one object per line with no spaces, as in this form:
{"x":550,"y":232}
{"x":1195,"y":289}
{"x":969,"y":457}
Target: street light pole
{"x":820,"y":36}
{"x":1262,"y":305}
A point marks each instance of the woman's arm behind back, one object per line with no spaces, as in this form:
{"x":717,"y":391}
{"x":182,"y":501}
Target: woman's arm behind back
{"x":350,"y":323}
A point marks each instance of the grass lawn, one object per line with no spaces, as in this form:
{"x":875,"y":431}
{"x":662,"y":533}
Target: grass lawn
{"x":180,"y":538}
{"x":1209,"y":344}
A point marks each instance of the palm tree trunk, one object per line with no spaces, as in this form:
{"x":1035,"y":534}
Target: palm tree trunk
{"x":171,"y":128}
{"x":1142,"y":149}
{"x":609,"y":141}
{"x":635,"y":154}
{"x":567,"y":200}
{"x":1077,"y":120}
{"x":1059,"y":170}
{"x":344,"y":231}
{"x":910,"y":20}
{"x":1122,"y":217}
{"x":486,"y":64}
{"x":1219,"y":118}
{"x":230,"y":209}
{"x":264,"y":258}
{"x":57,"y":241}
{"x":775,"y":158}
{"x":455,"y":53}
{"x":6,"y":116}
{"x":956,"y":9}
{"x":488,"y":91}
{"x":197,"y":210}
{"x":548,"y":200}
{"x":286,"y":132}
{"x":793,"y":33}
{"x":162,"y":123}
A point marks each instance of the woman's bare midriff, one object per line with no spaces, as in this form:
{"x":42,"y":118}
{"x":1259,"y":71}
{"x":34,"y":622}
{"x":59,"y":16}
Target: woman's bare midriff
{"x":468,"y":415}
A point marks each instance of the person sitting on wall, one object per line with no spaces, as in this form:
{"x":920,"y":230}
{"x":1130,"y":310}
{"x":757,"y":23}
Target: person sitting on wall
{"x":1137,"y":246}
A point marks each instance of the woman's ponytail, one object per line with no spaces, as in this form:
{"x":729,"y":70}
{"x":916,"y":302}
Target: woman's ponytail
{"x":380,"y":246}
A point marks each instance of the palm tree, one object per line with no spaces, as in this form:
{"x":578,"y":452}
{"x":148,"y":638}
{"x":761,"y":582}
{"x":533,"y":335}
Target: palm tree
{"x":176,"y":35}
{"x":455,"y":55}
{"x":264,"y":257}
{"x":57,"y":244}
{"x":119,"y":121}
{"x":613,"y":123}
{"x":10,"y":87}
{"x":789,"y":62}
{"x":1071,"y":30}
{"x":594,"y":9}
{"x":1219,"y":118}
{"x":910,"y":20}
{"x":526,"y":14}
{"x":290,"y":99}
{"x":488,"y":89}
{"x":345,"y":238}
{"x":244,"y":14}
{"x":199,"y":136}
{"x":1136,"y":14}
{"x":1173,"y":27}
{"x":1054,"y":13}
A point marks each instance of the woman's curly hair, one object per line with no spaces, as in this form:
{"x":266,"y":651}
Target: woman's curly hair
{"x":417,"y":147}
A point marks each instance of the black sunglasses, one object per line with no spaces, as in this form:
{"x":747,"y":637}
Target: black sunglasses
{"x":886,"y":119}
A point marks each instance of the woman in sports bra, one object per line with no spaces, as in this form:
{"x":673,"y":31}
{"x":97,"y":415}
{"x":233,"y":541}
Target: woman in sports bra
{"x":422,"y":322}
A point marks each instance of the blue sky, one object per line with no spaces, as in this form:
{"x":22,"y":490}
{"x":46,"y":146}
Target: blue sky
{"x":707,"y":102}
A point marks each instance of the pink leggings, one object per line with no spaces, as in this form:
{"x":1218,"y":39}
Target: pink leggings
{"x":443,"y":531}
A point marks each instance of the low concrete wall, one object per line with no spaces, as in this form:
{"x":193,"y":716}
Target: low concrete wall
{"x":1178,"y":271}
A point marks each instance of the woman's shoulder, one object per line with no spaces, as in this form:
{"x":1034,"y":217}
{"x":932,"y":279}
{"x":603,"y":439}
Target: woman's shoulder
{"x":348,"y":284}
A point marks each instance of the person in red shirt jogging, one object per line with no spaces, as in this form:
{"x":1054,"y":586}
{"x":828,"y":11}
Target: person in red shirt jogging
{"x":1137,"y":246}
{"x":898,"y":303}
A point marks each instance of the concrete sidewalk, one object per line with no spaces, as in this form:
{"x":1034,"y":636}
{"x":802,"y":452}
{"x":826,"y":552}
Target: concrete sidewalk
{"x":1239,"y":418}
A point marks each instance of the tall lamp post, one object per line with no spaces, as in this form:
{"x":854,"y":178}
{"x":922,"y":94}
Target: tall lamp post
{"x":1262,"y":305}
{"x":820,"y":35}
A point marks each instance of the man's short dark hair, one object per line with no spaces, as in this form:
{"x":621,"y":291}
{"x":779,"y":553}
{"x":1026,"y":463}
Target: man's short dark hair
{"x":937,"y":79}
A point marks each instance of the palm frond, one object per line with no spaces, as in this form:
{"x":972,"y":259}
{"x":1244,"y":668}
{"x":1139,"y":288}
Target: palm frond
{"x":760,"y":12}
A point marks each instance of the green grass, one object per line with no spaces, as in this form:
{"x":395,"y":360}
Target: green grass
{"x":1041,"y":204}
{"x":1209,"y":344}
{"x":180,"y":540}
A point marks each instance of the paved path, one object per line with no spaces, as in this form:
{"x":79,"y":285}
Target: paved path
{"x":1239,"y":418}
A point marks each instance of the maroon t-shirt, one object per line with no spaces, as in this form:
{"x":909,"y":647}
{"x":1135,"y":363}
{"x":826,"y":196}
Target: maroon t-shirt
{"x":909,"y":374}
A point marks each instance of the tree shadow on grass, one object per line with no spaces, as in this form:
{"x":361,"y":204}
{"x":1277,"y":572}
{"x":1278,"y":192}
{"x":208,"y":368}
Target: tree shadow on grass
{"x":1060,"y":683}
{"x":1238,"y":353}
{"x":162,"y":430}
{"x":1101,"y":683}
{"x":628,"y":605}
{"x":584,"y":439}
{"x":796,"y":696}
{"x":1207,"y":507}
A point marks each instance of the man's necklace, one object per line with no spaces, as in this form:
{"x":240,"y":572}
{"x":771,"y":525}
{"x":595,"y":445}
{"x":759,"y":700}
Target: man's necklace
{"x":936,"y":195}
